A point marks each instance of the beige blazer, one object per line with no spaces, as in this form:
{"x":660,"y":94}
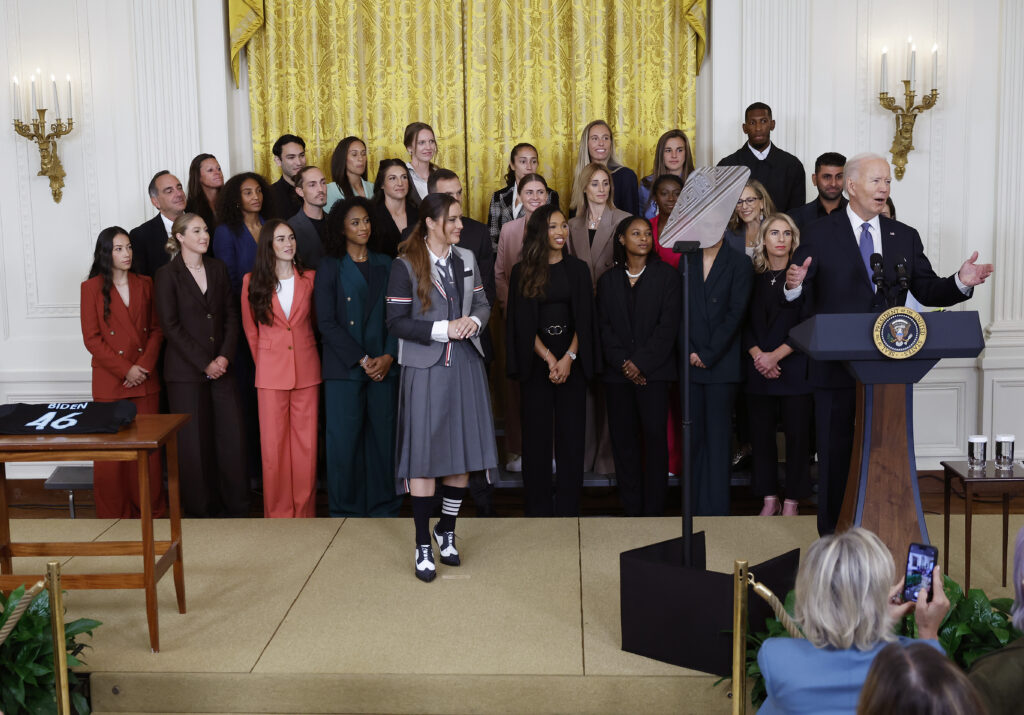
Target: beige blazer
{"x":599,"y":256}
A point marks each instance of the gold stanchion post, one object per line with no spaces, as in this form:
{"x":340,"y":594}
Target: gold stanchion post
{"x":739,"y":638}
{"x":60,"y":652}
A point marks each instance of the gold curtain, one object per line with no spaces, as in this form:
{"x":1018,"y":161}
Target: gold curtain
{"x":485,"y":74}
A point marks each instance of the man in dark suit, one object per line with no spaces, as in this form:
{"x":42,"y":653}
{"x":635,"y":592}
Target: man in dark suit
{"x":475,"y":237}
{"x":148,"y":240}
{"x":308,"y":222}
{"x":828,"y":180}
{"x":831,"y":270}
{"x":781,"y":173}
{"x":290,"y":156}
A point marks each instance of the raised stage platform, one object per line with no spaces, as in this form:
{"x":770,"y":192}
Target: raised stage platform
{"x":326,"y":616}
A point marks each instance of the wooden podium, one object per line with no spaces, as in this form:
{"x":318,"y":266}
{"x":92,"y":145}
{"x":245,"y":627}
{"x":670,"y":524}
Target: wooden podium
{"x":881,"y":490}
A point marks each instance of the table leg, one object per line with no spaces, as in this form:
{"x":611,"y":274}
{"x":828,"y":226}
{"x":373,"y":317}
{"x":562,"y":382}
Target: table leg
{"x":174,"y":509}
{"x":1006,"y":531}
{"x":967,"y":537}
{"x":6,"y":565}
{"x":948,"y":479}
{"x":148,"y":551}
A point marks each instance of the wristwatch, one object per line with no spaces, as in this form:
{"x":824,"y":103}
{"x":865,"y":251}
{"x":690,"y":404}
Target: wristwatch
{"x":571,"y":354}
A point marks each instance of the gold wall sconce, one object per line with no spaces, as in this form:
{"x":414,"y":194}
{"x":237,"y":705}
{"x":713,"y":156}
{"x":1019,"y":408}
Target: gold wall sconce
{"x":36,"y":130}
{"x":903,"y":139}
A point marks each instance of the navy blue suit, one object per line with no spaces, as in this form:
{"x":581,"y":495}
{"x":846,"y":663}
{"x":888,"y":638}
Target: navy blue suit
{"x":837,"y":282}
{"x":717,"y":309}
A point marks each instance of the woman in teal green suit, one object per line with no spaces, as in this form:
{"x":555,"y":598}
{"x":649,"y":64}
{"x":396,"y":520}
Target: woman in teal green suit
{"x":360,"y":374}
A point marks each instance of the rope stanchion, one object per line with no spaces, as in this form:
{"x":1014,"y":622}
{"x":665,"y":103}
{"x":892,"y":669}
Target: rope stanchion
{"x":60,"y":642}
{"x":780,"y":610}
{"x":19,"y":610}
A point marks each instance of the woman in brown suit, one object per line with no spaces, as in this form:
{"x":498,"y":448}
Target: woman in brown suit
{"x":591,"y":240}
{"x":199,"y":316}
{"x":121,"y":331}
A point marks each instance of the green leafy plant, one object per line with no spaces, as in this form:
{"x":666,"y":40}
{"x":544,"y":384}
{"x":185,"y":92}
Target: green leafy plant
{"x":27,"y":681}
{"x":974,"y":626}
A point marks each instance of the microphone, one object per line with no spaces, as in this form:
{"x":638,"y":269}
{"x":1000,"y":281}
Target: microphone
{"x":901,"y":275}
{"x":876,"y":268}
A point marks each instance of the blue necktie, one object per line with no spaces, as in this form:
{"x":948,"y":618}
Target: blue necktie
{"x":867,"y":247}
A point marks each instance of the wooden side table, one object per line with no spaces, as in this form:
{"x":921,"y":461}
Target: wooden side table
{"x":989,"y":481}
{"x":135,"y":442}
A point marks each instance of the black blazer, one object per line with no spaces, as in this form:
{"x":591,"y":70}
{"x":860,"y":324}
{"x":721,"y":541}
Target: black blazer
{"x":804,"y":216}
{"x":475,"y":238}
{"x":717,"y":309}
{"x":197,"y":327}
{"x":627,"y":190}
{"x":521,"y":322}
{"x":308,"y":244}
{"x":769,"y":320}
{"x":781,"y":173}
{"x":647,"y":334}
{"x":386,"y":236}
{"x":148,"y":241}
{"x":283,"y":202}
{"x":838,"y":282}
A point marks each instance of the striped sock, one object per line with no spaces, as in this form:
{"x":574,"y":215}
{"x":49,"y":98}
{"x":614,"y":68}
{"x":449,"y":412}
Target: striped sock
{"x":451,"y":500}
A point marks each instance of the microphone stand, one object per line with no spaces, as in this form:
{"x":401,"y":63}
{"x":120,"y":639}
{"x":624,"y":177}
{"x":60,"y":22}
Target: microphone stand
{"x":686,"y":248}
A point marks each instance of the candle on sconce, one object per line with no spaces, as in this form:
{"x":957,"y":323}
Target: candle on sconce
{"x":884,"y":87}
{"x":906,"y":59}
{"x":913,"y":68}
{"x":35,"y":106}
{"x":70,"y":112}
{"x":16,"y":99}
{"x":56,"y":99}
{"x":935,"y":66}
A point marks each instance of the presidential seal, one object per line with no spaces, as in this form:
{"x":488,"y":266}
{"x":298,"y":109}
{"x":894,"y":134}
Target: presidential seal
{"x":900,"y":332}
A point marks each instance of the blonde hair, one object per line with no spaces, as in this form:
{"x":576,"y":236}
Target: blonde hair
{"x":583,"y":160}
{"x":760,"y":255}
{"x":767,"y":205}
{"x":842,"y":591}
{"x":579,"y":198}
{"x":173,"y":245}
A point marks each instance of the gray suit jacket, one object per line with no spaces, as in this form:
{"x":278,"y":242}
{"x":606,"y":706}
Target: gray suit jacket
{"x":412,"y":326}
{"x":308,"y":245}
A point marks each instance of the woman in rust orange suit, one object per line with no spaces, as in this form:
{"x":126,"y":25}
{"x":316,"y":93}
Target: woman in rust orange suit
{"x":120,"y":329}
{"x":277,"y":314}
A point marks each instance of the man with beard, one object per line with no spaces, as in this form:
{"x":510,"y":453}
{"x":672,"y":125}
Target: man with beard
{"x":828,"y":180}
{"x":308,"y":222}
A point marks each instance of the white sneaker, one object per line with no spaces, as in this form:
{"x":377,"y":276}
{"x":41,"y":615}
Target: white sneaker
{"x":516,"y":465}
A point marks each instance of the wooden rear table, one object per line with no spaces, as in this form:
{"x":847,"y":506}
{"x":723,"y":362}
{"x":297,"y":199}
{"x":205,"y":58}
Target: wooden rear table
{"x":133,"y":443}
{"x":989,"y":481}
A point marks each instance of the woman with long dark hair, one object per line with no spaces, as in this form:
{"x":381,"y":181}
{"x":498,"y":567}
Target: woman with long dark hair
{"x":348,"y":172}
{"x":393,"y":207}
{"x":421,"y":144}
{"x":638,"y":307}
{"x":598,"y":146}
{"x":671,"y":156}
{"x":121,"y":331}
{"x":199,"y":316}
{"x":277,"y":314}
{"x":506,"y":203}
{"x":551,"y":352}
{"x":437,"y":309}
{"x":360,"y":377}
{"x":205,"y":180}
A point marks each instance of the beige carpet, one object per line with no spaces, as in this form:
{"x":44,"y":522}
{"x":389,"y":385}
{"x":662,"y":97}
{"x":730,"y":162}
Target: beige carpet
{"x":327,"y":616}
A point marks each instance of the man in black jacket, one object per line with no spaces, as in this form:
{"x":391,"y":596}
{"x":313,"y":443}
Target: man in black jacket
{"x":290,"y":156}
{"x":781,"y":173}
{"x":828,"y":180}
{"x":148,"y":239}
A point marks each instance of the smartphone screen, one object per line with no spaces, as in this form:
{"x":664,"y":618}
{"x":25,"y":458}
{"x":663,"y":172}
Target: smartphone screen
{"x":921,"y":560}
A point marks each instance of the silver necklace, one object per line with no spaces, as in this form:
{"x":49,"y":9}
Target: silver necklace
{"x":637,"y":275}
{"x":776,"y":274}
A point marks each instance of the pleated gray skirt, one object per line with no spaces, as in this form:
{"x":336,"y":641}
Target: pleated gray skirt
{"x":445,"y":425}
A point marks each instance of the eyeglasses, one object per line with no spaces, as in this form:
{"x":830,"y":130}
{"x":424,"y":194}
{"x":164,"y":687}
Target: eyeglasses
{"x":747,"y":202}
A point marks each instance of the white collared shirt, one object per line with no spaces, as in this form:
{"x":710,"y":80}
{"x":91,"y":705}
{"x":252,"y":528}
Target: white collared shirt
{"x":286,"y":294}
{"x":419,"y":182}
{"x":167,"y":224}
{"x":760,"y":154}
{"x":517,"y":205}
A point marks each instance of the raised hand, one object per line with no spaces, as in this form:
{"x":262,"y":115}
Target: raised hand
{"x":795,"y":274}
{"x":973,"y":273}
